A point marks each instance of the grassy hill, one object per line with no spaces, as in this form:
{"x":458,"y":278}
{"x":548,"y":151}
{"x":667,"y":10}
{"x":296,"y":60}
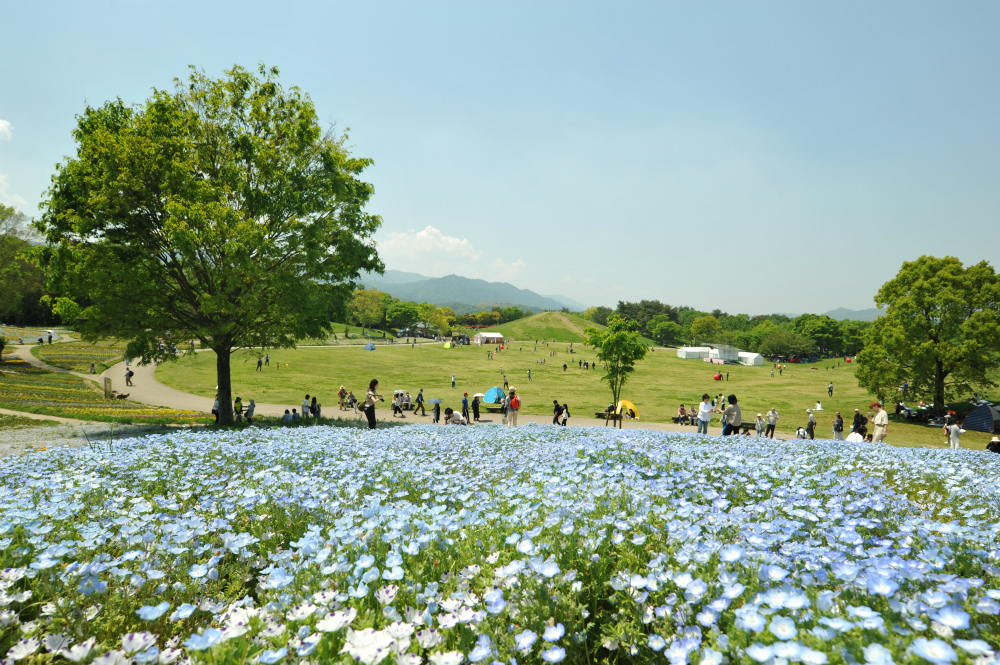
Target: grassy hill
{"x":551,"y":326}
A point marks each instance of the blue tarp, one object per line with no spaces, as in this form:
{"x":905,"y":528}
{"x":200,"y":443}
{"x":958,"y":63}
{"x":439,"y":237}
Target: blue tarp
{"x":494,"y":396}
{"x":369,"y":347}
{"x":984,"y":418}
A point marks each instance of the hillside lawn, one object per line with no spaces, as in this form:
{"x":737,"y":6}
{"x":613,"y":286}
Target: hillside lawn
{"x":661,"y":382}
{"x":551,"y":326}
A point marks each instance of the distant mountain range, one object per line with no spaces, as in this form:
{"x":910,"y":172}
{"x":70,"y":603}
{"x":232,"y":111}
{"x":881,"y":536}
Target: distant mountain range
{"x":842,"y":314}
{"x":454,"y":291}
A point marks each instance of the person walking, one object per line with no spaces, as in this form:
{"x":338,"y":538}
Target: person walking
{"x":370,"y":398}
{"x":267,"y":359}
{"x":732,"y":417}
{"x":305,"y":408}
{"x":515,"y":405}
{"x":529,"y":375}
{"x":704,"y":414}
{"x":505,"y":408}
{"x":420,"y":404}
{"x":341,"y":397}
{"x":565,"y":415}
{"x":811,"y":424}
{"x":260,"y":364}
{"x":772,"y":373}
{"x":452,"y":380}
{"x":829,"y":390}
{"x":475,"y":409}
{"x":505,"y":384}
{"x":772,"y":420}
{"x":238,"y":409}
{"x":759,"y":424}
{"x":314,"y":407}
{"x":128,"y":376}
{"x":215,"y":408}
{"x":556,"y":412}
{"x":251,"y":407}
{"x":436,"y":417}
{"x":881,"y":421}
{"x":465,"y":406}
{"x":838,"y":427}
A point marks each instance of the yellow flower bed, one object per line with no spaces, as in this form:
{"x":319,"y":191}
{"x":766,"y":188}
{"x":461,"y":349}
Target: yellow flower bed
{"x":77,"y":356}
{"x":27,"y":388}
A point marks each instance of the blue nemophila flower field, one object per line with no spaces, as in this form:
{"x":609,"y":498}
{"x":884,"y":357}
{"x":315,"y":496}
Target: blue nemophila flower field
{"x":482,"y":545}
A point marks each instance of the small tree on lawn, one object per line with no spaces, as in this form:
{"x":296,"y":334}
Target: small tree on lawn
{"x":619,"y":347}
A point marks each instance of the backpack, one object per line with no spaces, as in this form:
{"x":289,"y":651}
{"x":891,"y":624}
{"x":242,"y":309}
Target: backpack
{"x":515,"y":402}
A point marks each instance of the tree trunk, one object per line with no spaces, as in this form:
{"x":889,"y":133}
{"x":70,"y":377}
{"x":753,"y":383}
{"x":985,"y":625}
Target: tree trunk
{"x":939,"y":377}
{"x":222,"y":357}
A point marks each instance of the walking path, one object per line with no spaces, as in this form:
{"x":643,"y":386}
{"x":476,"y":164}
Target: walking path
{"x":42,"y":416}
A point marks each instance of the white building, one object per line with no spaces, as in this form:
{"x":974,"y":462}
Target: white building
{"x":696,"y":352}
{"x":725,"y":353}
{"x":481,"y":338}
{"x":748,"y":358}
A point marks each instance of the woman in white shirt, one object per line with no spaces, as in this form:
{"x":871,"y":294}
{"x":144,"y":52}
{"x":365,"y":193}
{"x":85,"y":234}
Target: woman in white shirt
{"x":704,"y":414}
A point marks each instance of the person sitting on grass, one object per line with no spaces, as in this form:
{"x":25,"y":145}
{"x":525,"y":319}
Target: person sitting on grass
{"x":287,"y":418}
{"x":452,"y":417}
{"x":296,"y":415}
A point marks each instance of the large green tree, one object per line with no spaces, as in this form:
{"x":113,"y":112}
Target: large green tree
{"x":220,"y":211}
{"x":706,"y":329}
{"x":940,"y":331}
{"x":619,"y":347}
{"x":368,"y":307}
{"x":787,"y":343}
{"x":402,"y":314}
{"x":20,"y":279}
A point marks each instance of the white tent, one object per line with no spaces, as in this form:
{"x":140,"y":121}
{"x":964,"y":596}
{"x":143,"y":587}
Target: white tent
{"x":693,"y":352}
{"x":748,"y":358}
{"x":487,"y":338}
{"x":725,"y":352}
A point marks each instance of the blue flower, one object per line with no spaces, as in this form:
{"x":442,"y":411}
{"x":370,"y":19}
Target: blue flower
{"x":553,"y":655}
{"x":270,"y":657}
{"x":936,"y":651}
{"x":152,"y":612}
{"x":206,"y":640}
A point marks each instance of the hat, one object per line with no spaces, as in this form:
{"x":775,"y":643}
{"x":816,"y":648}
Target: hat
{"x":809,"y":410}
{"x":251,"y":401}
{"x":995,"y":439}
{"x":855,"y":409}
{"x":341,"y":387}
{"x":759,"y":415}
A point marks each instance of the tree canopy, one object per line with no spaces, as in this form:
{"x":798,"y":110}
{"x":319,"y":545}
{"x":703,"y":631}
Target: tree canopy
{"x":706,"y":328}
{"x":619,"y":347}
{"x":219,"y":211}
{"x":940,"y":331}
{"x":21,"y":281}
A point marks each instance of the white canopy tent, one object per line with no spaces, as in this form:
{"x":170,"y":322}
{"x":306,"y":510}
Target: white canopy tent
{"x":753,"y":359}
{"x":481,"y":338}
{"x":696,"y":352}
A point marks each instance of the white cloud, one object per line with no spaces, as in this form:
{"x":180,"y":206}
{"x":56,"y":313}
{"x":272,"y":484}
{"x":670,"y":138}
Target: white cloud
{"x":514,"y":266}
{"x":10,"y":198}
{"x":427,"y":243}
{"x":5,"y":133}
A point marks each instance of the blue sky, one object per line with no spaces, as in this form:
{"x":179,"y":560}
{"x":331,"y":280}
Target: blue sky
{"x":754,"y":157}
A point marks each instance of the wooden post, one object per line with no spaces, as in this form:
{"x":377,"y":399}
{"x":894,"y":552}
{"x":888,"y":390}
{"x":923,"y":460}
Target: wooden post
{"x":107,"y":388}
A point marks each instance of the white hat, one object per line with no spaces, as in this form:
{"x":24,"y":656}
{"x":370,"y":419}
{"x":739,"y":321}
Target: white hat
{"x":759,"y":415}
{"x":809,"y":410}
{"x":995,"y":439}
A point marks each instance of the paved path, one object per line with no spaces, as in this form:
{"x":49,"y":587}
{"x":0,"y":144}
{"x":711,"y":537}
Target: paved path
{"x":42,"y":416}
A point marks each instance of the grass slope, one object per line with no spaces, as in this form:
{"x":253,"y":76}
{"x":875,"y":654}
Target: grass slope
{"x":551,"y":326}
{"x":661,"y":382}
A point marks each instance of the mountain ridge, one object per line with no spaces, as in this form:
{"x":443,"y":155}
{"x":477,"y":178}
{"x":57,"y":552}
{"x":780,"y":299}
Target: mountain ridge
{"x":452,"y":289}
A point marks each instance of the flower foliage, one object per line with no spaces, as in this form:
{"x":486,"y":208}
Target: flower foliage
{"x":451,"y":545}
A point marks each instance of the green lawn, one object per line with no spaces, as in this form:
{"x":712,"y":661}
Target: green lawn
{"x":550,"y":326}
{"x":660,"y":384}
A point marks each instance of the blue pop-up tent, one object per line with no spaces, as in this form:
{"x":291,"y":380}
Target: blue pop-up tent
{"x":369,"y":347}
{"x":494,"y":395}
